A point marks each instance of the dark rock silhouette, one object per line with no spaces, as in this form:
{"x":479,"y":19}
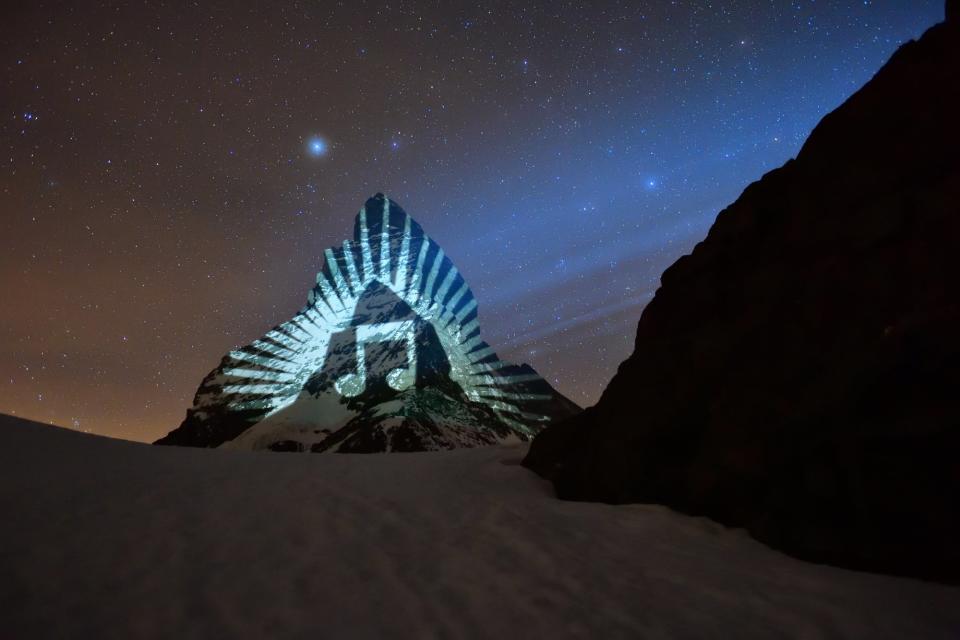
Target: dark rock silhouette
{"x":798,"y":373}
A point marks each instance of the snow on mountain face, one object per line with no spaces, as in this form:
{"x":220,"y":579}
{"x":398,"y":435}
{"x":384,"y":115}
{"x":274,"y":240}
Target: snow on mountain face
{"x":385,"y":356}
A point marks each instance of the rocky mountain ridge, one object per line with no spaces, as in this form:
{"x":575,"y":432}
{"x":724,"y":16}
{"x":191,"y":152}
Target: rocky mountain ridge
{"x":797,"y":373}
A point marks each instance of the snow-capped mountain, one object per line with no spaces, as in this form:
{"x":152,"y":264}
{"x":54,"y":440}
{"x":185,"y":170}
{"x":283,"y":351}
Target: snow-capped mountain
{"x":385,"y":356}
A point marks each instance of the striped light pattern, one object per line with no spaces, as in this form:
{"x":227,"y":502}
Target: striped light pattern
{"x":389,"y":248}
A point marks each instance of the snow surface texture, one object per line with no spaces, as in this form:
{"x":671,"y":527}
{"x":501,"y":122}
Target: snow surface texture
{"x":111,"y":539}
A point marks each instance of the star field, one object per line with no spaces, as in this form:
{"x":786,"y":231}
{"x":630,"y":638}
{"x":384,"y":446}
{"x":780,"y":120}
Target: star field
{"x":170,"y":174}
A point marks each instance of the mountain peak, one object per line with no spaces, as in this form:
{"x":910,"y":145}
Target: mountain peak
{"x":385,"y":356}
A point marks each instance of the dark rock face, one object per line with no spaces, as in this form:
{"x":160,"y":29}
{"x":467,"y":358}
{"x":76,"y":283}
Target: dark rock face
{"x":798,"y":373}
{"x":385,"y":356}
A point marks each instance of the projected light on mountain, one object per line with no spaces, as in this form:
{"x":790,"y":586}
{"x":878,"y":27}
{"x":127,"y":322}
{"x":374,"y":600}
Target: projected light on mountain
{"x":388,"y":327}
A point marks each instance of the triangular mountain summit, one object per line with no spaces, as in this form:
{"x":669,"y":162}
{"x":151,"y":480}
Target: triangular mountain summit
{"x":385,"y":356}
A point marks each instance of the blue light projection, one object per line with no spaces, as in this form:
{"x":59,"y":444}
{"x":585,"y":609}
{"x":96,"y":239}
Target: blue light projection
{"x":390,"y":285}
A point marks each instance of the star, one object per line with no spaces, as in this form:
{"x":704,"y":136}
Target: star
{"x":316,"y":147}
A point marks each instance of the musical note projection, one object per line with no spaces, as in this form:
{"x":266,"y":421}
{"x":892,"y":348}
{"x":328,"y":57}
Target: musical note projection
{"x":353,"y":384}
{"x":386,"y":356}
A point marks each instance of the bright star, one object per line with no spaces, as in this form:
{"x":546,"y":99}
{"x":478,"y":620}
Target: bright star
{"x":316,"y":146}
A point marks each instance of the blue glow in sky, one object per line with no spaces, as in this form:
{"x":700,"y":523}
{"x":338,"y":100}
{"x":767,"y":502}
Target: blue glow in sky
{"x":316,"y":147}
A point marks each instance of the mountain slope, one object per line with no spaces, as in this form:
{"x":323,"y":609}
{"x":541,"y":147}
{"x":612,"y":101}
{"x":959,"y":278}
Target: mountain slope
{"x":111,"y":539}
{"x":797,"y":373}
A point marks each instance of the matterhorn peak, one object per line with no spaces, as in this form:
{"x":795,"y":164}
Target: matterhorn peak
{"x":385,"y":356}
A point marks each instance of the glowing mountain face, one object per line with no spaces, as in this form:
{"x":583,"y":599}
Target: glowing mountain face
{"x":386,"y":355}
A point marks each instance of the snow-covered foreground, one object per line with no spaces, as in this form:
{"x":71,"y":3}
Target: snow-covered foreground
{"x":110,"y":539}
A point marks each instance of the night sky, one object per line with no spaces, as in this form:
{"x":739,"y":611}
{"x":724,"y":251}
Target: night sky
{"x":170,"y":173}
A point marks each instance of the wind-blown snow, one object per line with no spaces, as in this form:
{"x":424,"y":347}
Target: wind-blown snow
{"x":111,"y":539}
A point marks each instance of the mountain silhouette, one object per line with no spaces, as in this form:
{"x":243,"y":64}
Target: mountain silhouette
{"x":797,"y":373}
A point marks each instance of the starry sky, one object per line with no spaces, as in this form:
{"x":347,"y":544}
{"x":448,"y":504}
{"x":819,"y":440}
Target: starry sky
{"x":171,"y":172}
